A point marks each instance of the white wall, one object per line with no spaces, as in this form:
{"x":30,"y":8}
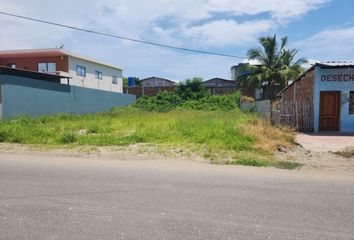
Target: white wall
{"x":90,"y":80}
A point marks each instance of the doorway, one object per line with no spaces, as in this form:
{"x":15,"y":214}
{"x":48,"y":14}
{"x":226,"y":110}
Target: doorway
{"x":329,"y":111}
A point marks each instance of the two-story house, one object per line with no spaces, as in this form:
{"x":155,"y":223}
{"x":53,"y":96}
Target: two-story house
{"x":82,"y":71}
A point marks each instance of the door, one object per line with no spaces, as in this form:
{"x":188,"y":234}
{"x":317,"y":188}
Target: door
{"x":329,"y":111}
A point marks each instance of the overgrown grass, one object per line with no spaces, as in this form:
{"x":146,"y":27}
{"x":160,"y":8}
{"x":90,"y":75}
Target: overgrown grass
{"x":167,"y":101}
{"x":230,"y":137}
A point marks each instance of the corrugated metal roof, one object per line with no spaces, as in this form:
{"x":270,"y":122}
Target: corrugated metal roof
{"x":157,"y":78}
{"x":337,"y":63}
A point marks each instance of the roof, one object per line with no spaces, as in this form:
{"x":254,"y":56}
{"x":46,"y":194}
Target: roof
{"x":30,"y":74}
{"x":222,"y":79}
{"x":329,"y":64}
{"x":50,"y":52}
{"x":165,"y":79}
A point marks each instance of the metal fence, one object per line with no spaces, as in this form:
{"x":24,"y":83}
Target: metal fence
{"x":297,"y":115}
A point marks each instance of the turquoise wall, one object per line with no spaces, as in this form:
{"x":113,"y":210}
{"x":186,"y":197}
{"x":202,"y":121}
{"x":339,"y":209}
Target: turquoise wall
{"x":35,"y":97}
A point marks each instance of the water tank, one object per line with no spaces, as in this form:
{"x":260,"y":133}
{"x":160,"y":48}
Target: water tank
{"x":131,"y":81}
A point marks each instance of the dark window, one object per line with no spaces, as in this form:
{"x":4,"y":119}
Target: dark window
{"x":11,"y":65}
{"x":98,"y":74}
{"x":47,"y":67}
{"x":351,"y":102}
{"x":80,"y":71}
{"x":114,"y":80}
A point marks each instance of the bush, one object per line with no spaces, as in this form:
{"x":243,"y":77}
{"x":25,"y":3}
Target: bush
{"x":3,"y":136}
{"x":191,"y":89}
{"x":167,"y":101}
{"x":214,"y":102}
{"x":67,"y":138}
{"x":162,"y":102}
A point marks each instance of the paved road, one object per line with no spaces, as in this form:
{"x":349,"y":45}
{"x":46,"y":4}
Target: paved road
{"x":57,"y":198}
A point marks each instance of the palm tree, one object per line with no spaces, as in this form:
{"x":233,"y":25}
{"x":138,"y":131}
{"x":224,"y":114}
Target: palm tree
{"x":275,"y":64}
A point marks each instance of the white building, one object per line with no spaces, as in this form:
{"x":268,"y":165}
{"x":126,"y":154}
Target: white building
{"x":83,"y":71}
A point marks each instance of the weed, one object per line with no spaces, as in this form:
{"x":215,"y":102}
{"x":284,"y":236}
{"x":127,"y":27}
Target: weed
{"x":93,"y":129}
{"x":250,"y":162}
{"x":216,"y":135}
{"x":286,"y":165}
{"x":67,"y":138}
{"x":347,"y":153}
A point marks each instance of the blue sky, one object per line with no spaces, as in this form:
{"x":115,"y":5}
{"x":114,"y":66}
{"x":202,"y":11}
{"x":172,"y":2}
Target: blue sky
{"x":323,"y":30}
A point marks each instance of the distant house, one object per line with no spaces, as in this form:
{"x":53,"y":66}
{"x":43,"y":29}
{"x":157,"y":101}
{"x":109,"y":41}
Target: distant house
{"x":151,"y":86}
{"x":157,"y":82}
{"x":219,"y":85}
{"x":218,"y":82}
{"x":82,"y":71}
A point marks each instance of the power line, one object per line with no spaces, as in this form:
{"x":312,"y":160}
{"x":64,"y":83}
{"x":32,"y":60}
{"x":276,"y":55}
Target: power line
{"x":122,"y":37}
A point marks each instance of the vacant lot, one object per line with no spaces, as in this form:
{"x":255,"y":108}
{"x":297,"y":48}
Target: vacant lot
{"x":230,"y":137}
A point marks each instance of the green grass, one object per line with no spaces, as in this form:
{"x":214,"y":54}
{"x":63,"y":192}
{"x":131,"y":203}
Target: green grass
{"x":230,"y":137}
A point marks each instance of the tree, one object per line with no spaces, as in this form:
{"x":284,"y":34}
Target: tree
{"x":275,"y":64}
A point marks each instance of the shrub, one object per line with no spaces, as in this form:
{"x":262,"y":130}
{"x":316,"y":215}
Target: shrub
{"x":191,"y":89}
{"x":3,"y":136}
{"x":214,"y":102}
{"x":166,"y":101}
{"x":93,"y":129}
{"x":67,"y":138}
{"x":162,"y":102}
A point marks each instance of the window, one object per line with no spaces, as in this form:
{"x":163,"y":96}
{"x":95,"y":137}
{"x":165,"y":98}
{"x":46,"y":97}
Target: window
{"x":98,"y":74}
{"x":114,"y":80}
{"x":47,"y":67}
{"x":80,"y":71}
{"x":351,"y":102}
{"x":11,"y":65}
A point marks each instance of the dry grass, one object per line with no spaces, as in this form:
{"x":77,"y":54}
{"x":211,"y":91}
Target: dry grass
{"x":269,"y":138}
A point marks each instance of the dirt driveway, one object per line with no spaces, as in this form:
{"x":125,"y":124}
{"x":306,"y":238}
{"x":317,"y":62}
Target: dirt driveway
{"x":318,"y":151}
{"x":319,"y":142}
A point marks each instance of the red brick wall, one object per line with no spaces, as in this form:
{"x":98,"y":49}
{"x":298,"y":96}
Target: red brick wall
{"x":148,"y":91}
{"x":297,"y":103}
{"x":62,"y":63}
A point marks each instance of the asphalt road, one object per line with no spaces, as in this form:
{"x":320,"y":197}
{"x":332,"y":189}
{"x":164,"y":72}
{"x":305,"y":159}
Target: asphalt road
{"x":68,"y":198}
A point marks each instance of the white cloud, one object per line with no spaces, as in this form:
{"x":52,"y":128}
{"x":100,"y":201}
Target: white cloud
{"x":228,"y":32}
{"x":332,"y":44}
{"x":184,"y":23}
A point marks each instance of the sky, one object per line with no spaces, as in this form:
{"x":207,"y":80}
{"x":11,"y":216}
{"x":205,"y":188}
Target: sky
{"x":322,"y":30}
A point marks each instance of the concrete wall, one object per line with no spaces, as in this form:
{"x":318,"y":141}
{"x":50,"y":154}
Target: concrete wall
{"x":90,"y":81}
{"x":263,"y":108}
{"x":344,"y":86}
{"x":34,"y":97}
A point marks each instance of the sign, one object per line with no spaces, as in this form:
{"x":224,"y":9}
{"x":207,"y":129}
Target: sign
{"x":338,"y":78}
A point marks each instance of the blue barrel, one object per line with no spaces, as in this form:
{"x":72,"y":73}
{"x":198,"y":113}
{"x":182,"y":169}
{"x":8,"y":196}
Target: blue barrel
{"x":131,"y":81}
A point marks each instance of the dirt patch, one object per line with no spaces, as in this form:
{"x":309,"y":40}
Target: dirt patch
{"x":317,"y":160}
{"x":127,"y":153}
{"x":311,"y":160}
